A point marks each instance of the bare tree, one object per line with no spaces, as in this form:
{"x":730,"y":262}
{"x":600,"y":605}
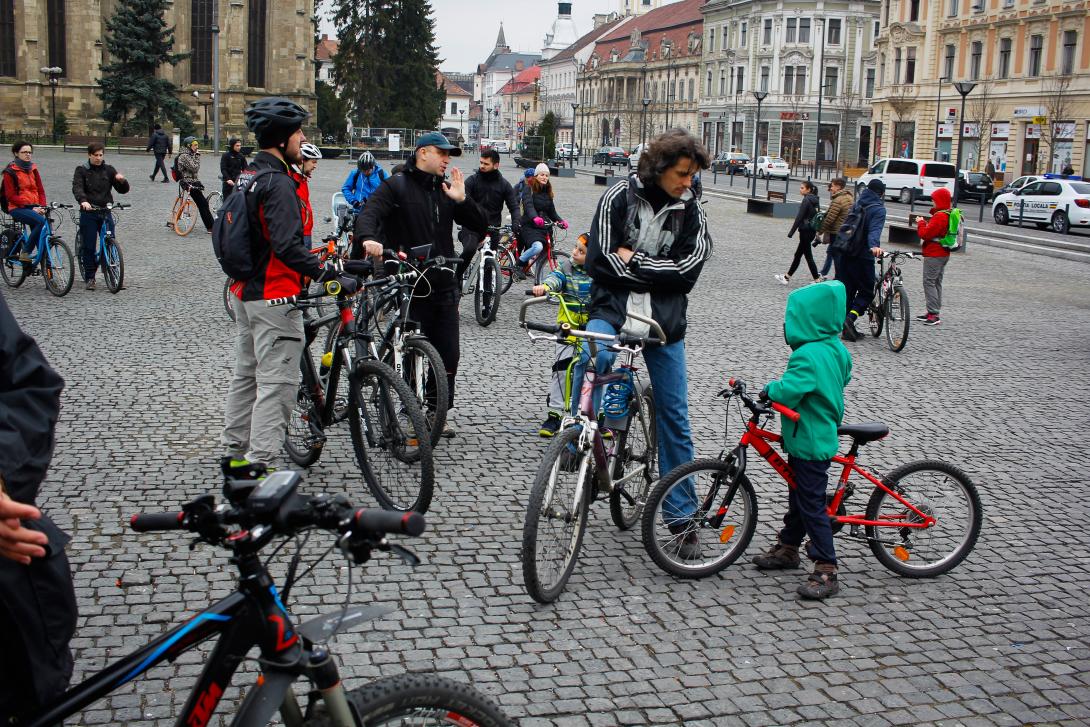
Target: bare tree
{"x":795,"y":102}
{"x":902,"y":99}
{"x":1055,"y":93}
{"x":847,"y":105}
{"x":983,"y":110}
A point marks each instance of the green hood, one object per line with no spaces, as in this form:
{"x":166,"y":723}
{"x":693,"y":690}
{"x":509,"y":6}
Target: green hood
{"x":814,"y":313}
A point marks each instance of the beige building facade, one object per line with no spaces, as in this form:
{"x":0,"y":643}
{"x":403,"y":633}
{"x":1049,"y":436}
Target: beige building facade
{"x":1029,"y":61}
{"x":266,"y":47}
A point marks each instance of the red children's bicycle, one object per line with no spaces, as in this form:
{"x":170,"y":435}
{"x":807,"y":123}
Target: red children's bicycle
{"x":922,"y":519}
{"x":539,"y":266}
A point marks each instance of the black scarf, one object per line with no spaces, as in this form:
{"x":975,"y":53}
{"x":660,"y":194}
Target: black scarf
{"x":25,"y":166}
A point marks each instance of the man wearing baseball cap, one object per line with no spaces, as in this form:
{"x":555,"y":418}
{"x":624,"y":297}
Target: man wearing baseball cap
{"x":418,"y":206}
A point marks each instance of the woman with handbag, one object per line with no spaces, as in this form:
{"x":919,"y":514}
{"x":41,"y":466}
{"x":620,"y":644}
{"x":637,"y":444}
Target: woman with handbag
{"x":809,"y":207}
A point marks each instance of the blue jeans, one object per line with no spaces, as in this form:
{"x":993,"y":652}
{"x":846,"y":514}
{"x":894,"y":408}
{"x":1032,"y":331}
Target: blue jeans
{"x":89,"y":223}
{"x":27,"y":216}
{"x":830,"y":260}
{"x":534,"y":249}
{"x":806,"y":509}
{"x":670,"y":383}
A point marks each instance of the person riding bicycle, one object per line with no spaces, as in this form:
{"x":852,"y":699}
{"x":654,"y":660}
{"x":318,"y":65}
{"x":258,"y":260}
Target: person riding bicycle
{"x":537,"y":209}
{"x":189,"y":168}
{"x":362,"y":182}
{"x":231,"y":165}
{"x":418,"y":207}
{"x":813,"y":385}
{"x":92,"y":185}
{"x":573,"y":283}
{"x":648,"y":243}
{"x":935,"y":256}
{"x":25,"y":197}
{"x":491,"y":192}
{"x":301,"y":174}
{"x":270,"y":339}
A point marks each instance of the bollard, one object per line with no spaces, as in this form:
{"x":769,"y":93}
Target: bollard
{"x":1021,"y":211}
{"x":981,"y":218}
{"x":786,"y":186}
{"x":715,"y":177}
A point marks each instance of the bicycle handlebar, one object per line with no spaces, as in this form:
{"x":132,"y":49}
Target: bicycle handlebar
{"x":738,"y":388}
{"x":110,"y":206}
{"x":622,"y":339}
{"x":147,"y":522}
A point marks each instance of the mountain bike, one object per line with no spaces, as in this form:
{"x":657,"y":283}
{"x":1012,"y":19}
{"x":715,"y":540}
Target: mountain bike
{"x":51,"y":259}
{"x":383,"y":416}
{"x":922,"y":519}
{"x":889,"y":308}
{"x":579,"y":466}
{"x":482,"y":278}
{"x":107,"y":249}
{"x":541,"y":264}
{"x":184,"y":214}
{"x":252,"y":515}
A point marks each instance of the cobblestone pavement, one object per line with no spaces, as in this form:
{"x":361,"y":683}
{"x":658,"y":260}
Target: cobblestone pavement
{"x":999,"y":387}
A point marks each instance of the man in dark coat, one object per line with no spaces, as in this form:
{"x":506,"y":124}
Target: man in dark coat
{"x":159,"y":145}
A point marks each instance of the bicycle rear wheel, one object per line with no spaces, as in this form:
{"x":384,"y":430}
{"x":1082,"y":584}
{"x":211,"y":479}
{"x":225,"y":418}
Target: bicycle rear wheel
{"x":384,"y":419}
{"x":635,"y":457}
{"x":556,"y":517}
{"x":215,"y":199}
{"x":897,"y":318}
{"x":58,"y":269}
{"x":113,"y":264}
{"x":875,"y":317}
{"x":423,"y":371}
{"x":486,"y":296}
{"x":185,"y":218}
{"x":13,"y":271}
{"x":545,"y":265}
{"x":682,"y":530}
{"x":938,"y":490}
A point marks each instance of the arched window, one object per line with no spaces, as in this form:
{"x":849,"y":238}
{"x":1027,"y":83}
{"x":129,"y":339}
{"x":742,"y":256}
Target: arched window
{"x":200,"y":42}
{"x":255,"y":57}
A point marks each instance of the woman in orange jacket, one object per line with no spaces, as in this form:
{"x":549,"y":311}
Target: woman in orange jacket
{"x":25,"y":194}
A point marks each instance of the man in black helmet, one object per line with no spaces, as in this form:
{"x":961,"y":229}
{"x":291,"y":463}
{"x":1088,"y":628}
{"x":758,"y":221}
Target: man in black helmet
{"x":270,"y":339}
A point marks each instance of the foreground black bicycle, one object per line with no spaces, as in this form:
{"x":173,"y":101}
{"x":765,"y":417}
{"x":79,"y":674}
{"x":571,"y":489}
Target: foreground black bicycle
{"x":253,"y":515}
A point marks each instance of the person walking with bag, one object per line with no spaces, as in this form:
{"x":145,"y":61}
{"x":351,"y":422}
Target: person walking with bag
{"x":839,"y":205}
{"x":810,"y":206}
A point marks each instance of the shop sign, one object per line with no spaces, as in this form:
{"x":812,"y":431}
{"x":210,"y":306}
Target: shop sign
{"x":1001,"y":129}
{"x":1033,"y":131}
{"x":946,"y":131}
{"x":971,"y":131}
{"x":1028,"y":112}
{"x":794,"y":116}
{"x":1063,"y":130}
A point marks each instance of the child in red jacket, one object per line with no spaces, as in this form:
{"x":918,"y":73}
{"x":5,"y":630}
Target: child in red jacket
{"x":935,"y":256}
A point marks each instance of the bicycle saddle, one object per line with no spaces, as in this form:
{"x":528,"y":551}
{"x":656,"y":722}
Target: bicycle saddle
{"x":863,"y":433}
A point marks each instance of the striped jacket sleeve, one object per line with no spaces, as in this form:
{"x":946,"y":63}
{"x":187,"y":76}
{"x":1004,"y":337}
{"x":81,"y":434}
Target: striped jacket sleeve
{"x":607,"y":232}
{"x":678,"y":270}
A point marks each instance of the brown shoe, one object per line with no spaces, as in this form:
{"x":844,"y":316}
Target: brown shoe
{"x":778,"y":557}
{"x":821,"y":584}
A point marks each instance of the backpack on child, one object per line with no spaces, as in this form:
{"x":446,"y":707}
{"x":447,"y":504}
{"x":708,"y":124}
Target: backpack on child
{"x":231,"y":232}
{"x":955,"y":233}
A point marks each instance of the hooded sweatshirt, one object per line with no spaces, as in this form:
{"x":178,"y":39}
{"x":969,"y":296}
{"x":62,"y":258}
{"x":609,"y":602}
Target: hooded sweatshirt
{"x":817,"y":372}
{"x":935,"y":229}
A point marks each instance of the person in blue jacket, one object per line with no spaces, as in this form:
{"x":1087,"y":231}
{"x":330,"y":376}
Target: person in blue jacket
{"x":363,"y":181}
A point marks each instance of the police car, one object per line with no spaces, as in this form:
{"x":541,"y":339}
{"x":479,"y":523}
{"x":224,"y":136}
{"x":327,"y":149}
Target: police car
{"x":1050,"y":202}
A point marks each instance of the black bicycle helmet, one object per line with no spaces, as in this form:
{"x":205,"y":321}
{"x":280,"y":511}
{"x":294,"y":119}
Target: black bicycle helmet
{"x":366,"y":161}
{"x":188,"y":140}
{"x":273,"y":120}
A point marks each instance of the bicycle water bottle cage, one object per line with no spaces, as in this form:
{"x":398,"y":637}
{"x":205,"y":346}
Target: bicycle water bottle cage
{"x":618,"y":394}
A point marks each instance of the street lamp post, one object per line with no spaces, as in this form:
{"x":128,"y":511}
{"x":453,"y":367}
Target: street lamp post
{"x":938,"y":116}
{"x":574,"y":128}
{"x":760,"y":96}
{"x":734,"y":119}
{"x":205,"y":104}
{"x":669,"y":90}
{"x":964,"y":88}
{"x":643,"y":122}
{"x":522,"y":133}
{"x":215,"y":78}
{"x":821,"y":95}
{"x":462,"y":127}
{"x":54,"y":73}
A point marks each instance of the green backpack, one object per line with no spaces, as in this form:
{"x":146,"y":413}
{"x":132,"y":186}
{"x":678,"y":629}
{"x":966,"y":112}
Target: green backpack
{"x":955,"y":234}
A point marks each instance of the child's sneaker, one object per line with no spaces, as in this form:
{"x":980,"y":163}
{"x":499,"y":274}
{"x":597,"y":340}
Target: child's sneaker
{"x":778,"y":557}
{"x":550,"y":426}
{"x":821,"y":584}
{"x":932,"y":320}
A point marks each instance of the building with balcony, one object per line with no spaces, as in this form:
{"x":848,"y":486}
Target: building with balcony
{"x":1025,"y":68}
{"x":813,"y":67}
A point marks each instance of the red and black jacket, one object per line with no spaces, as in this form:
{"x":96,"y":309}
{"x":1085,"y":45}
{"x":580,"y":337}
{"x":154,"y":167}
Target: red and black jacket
{"x":276,"y":224}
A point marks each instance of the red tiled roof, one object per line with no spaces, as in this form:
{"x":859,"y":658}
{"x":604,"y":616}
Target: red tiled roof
{"x":674,"y":22}
{"x":326,"y":49}
{"x":522,"y":80}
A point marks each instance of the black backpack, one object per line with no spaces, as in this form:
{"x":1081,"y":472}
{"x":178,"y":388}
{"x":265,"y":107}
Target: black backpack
{"x":231,"y":234}
{"x":3,"y":196}
{"x":851,"y":238}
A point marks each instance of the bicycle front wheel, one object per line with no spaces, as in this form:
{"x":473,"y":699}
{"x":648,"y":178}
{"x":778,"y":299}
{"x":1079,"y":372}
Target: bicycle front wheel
{"x":423,"y":371}
{"x":486,"y":296}
{"x":58,"y":269}
{"x":11,"y":269}
{"x":938,"y":490}
{"x":427,"y":700}
{"x":508,"y":266}
{"x":304,"y":438}
{"x":215,"y":199}
{"x":897,"y":318}
{"x":556,"y":517}
{"x":634,"y":466}
{"x":385,"y":420}
{"x":683,"y":530}
{"x":185,"y":218}
{"x":113,"y":265}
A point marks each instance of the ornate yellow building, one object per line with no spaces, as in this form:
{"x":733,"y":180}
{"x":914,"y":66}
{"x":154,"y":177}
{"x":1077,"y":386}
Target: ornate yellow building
{"x":266,"y":47}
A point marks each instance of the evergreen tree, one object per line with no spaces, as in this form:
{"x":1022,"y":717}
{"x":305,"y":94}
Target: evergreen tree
{"x":387,"y":62}
{"x":139,"y":42}
{"x":331,"y":110}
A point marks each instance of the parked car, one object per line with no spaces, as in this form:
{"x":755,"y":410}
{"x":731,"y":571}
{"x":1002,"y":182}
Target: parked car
{"x":1018,"y":183}
{"x":907,"y":177}
{"x":975,"y":186}
{"x":567,"y":151}
{"x":768,"y":167}
{"x":1050,"y":203}
{"x":634,"y":158}
{"x":609,"y":155}
{"x":730,"y":162}
{"x":501,"y":146}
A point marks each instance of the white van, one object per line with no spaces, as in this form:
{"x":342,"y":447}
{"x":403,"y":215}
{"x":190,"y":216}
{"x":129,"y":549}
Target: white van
{"x":902,"y":177}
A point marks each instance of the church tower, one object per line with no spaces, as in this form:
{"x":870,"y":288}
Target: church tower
{"x":563,"y":32}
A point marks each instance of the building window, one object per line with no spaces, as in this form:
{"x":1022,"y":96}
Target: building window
{"x":708,"y":83}
{"x":831,"y":77}
{"x":743,"y":32}
{"x":453,"y":107}
{"x":255,"y":62}
{"x":765,"y":71}
{"x":897,"y":65}
{"x":882,"y":69}
{"x":767,"y":37}
{"x":914,"y":10}
{"x":948,"y":64}
{"x":692,"y":89}
{"x":869,"y":88}
{"x":1067,"y":60}
{"x":877,"y":30}
{"x":58,"y":55}
{"x":740,"y":83}
{"x":1004,"y":57}
{"x":1036,"y":46}
{"x":975,"y":54}
{"x":910,"y":66}
{"x":722,"y":81}
{"x":200,"y":42}
{"x":792,"y":29}
{"x":788,"y":79}
{"x":7,"y":37}
{"x":834,"y":32}
{"x":794,"y":80}
{"x":711,"y":40}
{"x":804,"y":30}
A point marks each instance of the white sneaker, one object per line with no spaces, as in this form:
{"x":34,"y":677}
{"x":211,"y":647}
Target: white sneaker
{"x":784,"y":279}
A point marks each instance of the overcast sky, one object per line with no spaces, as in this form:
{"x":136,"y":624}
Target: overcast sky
{"x":466,"y":29}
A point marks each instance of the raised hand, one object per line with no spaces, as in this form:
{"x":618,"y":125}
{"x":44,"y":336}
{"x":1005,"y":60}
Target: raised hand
{"x":456,"y":188}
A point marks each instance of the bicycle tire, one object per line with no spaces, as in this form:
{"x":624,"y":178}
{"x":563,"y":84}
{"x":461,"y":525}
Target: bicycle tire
{"x":185,"y":218}
{"x":508,"y":266}
{"x":544,"y":262}
{"x":421,"y":360}
{"x":734,"y":531}
{"x":545,"y":584}
{"x":486,"y":295}
{"x":626,"y":502}
{"x":13,"y":271}
{"x":304,"y":438}
{"x":215,"y":199}
{"x":897,"y":318}
{"x":417,"y":699}
{"x":229,"y":298}
{"x":58,"y":269}
{"x":113,"y":267}
{"x":79,"y":255}
{"x":915,"y":546}
{"x":396,"y":463}
{"x":875,"y":317}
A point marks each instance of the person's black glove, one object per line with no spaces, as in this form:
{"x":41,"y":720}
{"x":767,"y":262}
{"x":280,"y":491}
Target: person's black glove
{"x":763,"y":396}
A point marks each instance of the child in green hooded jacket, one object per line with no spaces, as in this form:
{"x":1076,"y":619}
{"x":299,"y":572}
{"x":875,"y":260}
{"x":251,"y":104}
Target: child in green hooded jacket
{"x":813,"y":385}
